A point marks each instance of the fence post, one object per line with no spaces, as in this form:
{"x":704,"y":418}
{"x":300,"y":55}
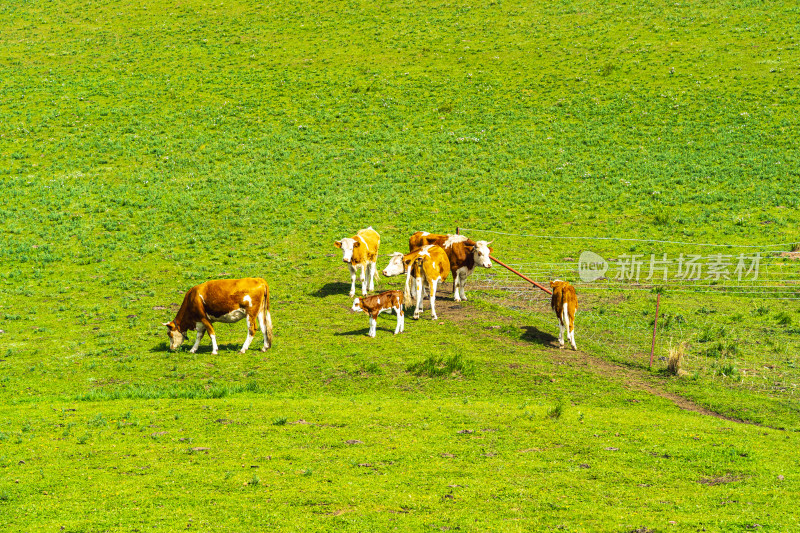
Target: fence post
{"x":655,"y":325}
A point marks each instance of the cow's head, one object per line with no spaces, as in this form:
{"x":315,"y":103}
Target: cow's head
{"x":396,"y":265}
{"x":482,"y":251}
{"x":357,"y":306}
{"x":347,"y":246}
{"x":176,"y":338}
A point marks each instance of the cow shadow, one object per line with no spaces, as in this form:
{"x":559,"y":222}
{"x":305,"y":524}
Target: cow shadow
{"x":334,"y":287}
{"x":535,"y":335}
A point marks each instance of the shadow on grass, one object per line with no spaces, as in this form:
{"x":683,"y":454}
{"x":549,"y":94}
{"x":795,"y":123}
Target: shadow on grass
{"x":206,"y":348}
{"x":535,"y":335}
{"x":335,"y":287}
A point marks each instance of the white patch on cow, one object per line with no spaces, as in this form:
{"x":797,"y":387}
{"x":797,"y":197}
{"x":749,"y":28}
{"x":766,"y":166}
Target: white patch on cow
{"x":481,"y":254}
{"x":363,"y":242}
{"x":247,"y":300}
{"x":452,"y":239}
{"x":426,"y":250}
{"x":213,"y":344}
{"x":424,"y":233}
{"x":249,"y":338}
{"x":356,"y":305}
{"x":347,"y":249}
{"x":395,"y":266}
{"x":230,"y":317}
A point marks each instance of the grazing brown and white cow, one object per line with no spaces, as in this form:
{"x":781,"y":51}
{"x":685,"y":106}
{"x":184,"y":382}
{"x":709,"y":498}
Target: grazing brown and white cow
{"x":428,"y":263}
{"x":377,"y":304}
{"x":361,"y":250}
{"x":463,"y":253}
{"x":223,"y":300}
{"x":564,"y":302}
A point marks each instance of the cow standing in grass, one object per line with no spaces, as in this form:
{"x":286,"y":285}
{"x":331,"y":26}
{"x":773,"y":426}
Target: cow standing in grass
{"x":564,"y":302}
{"x":361,"y":250}
{"x":427,"y":264}
{"x":464,"y":255}
{"x":384,"y":302}
{"x":223,"y":300}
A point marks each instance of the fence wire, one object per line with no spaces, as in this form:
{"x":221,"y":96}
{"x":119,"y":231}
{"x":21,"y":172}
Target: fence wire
{"x":743,"y":332}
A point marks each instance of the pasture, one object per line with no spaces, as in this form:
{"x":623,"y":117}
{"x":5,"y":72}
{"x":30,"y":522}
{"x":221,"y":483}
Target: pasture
{"x":146,"y":147}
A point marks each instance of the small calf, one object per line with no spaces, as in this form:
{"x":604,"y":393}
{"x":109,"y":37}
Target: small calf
{"x":375,"y":305}
{"x":564,"y":302}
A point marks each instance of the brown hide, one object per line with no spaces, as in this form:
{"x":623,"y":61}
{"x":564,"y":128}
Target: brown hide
{"x":564,"y":292}
{"x":215,"y":298}
{"x":385,"y":300}
{"x":459,"y":254}
{"x":367,"y":242}
{"x":429,"y":262}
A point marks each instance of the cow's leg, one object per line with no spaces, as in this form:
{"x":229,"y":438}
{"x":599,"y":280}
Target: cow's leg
{"x":457,"y":286}
{"x":201,"y":329}
{"x":560,"y":334}
{"x":364,"y":267}
{"x":399,"y":312}
{"x":352,"y":280}
{"x":462,"y":282}
{"x":372,"y":273}
{"x":373,"y":325}
{"x":207,"y":324}
{"x":418,"y":308}
{"x":571,"y":330}
{"x":432,"y":285}
{"x":565,"y":320}
{"x":251,"y":332}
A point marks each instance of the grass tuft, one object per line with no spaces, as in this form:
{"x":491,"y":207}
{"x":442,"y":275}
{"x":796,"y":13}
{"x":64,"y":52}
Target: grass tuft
{"x":435,"y":367}
{"x":675,"y":358}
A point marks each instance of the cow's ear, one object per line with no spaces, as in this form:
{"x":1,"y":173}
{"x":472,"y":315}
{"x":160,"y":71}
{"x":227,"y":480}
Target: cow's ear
{"x":338,"y":244}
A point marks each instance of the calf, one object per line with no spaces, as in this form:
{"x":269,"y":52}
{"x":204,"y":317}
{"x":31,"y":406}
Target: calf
{"x":463,"y":253}
{"x":564,"y":302}
{"x":361,"y":250}
{"x":377,"y":304}
{"x":428,"y":263}
{"x":223,"y":300}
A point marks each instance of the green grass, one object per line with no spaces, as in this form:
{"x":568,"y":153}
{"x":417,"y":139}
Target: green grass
{"x":145,"y":148}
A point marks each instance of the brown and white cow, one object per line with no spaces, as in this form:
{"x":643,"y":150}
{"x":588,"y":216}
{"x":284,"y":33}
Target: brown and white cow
{"x":463,"y":253}
{"x":564,"y":302}
{"x":223,"y":300}
{"x":361,"y":250}
{"x":428,"y":263}
{"x":374,"y":305}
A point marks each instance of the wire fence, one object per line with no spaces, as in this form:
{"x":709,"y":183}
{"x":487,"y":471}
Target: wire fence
{"x":739,"y":327}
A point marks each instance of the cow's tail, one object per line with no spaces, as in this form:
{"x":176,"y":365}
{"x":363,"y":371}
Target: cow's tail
{"x":407,"y":289}
{"x":267,"y":316}
{"x":565,"y":316}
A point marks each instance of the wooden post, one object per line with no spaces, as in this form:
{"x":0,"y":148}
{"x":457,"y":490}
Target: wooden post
{"x":655,"y":325}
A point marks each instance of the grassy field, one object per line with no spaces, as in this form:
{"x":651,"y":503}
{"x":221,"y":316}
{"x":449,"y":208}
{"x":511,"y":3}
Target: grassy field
{"x":146,"y":147}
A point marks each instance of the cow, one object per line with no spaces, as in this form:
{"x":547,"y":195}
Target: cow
{"x":564,"y":302}
{"x":361,"y":250}
{"x":223,"y":300}
{"x":377,"y":304}
{"x":463,"y":254}
{"x":428,"y":263}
